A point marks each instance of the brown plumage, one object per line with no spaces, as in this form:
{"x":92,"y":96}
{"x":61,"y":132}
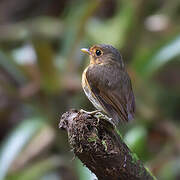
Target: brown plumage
{"x":107,"y":84}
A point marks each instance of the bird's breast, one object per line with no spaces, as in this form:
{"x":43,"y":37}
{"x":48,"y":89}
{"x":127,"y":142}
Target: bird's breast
{"x":87,"y":89}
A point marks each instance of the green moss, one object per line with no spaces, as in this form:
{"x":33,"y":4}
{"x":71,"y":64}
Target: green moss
{"x":154,"y":178}
{"x":134,"y":157}
{"x":104,"y":144}
{"x":141,"y":169}
{"x":118,"y":132}
{"x":92,"y":139}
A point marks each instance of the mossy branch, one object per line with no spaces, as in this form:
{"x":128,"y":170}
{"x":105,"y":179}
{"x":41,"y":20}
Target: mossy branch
{"x":96,"y":143}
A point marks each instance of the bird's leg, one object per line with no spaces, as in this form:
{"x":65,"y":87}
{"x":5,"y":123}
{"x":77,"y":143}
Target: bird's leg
{"x":90,"y":113}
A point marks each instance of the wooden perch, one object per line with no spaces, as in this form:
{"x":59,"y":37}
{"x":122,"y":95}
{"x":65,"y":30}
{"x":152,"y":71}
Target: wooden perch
{"x":96,"y":143}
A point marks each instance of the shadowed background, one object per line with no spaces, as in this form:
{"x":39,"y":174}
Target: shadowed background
{"x":40,"y":78}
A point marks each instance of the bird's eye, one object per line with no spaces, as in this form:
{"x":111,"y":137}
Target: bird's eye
{"x":98,"y":52}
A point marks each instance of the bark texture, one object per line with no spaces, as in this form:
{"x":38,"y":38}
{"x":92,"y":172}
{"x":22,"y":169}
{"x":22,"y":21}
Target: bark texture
{"x":98,"y":145}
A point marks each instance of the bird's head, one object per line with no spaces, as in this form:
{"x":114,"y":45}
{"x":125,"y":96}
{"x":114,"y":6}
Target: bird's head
{"x":102,"y":53}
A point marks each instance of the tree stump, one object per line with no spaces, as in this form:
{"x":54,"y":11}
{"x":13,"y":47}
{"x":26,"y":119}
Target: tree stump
{"x":100,"y":148}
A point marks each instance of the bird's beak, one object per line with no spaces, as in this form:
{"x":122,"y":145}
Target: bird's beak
{"x":85,"y":50}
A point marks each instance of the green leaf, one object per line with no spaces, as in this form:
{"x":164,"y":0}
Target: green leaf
{"x":12,"y":68}
{"x":136,"y":140}
{"x":38,"y":170}
{"x":149,"y":62}
{"x":15,"y":142}
{"x":115,"y":30}
{"x":83,"y":172}
{"x":49,"y":74}
{"x":76,"y":20}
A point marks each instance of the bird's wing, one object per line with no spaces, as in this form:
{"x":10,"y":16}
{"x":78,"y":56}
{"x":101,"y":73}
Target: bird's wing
{"x":114,"y":93}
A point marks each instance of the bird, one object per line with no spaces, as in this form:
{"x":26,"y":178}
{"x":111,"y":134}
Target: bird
{"x":107,"y":84}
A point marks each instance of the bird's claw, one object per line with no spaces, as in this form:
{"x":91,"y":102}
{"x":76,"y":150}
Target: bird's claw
{"x":98,"y":115}
{"x":91,"y":112}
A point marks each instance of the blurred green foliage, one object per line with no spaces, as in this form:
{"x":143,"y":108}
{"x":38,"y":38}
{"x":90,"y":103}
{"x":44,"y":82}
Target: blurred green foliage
{"x":40,"y":78}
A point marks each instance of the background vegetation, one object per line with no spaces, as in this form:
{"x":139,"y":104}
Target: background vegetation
{"x":40,"y":78}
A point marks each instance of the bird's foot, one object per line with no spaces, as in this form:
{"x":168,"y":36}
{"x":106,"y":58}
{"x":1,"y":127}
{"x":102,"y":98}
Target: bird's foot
{"x":99,"y":115}
{"x":107,"y":119}
{"x":91,"y":112}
